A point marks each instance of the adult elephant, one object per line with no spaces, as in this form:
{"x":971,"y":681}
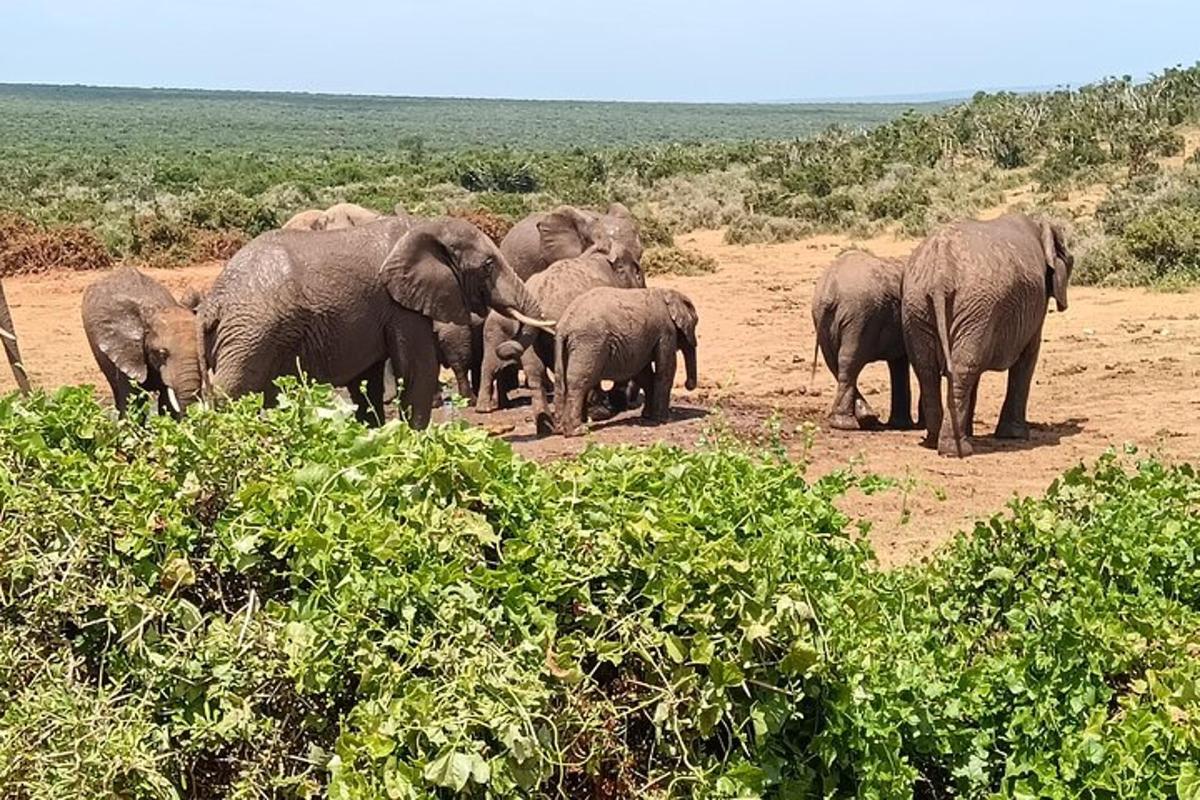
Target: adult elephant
{"x":338,"y":304}
{"x":12,"y":349}
{"x":543,"y":238}
{"x":973,"y":299}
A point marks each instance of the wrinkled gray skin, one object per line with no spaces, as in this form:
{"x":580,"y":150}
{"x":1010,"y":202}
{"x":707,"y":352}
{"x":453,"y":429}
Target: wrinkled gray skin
{"x":337,"y":304}
{"x":140,"y":335}
{"x":8,"y":333}
{"x":856,"y":313}
{"x":460,"y":349}
{"x":335,"y":218}
{"x":556,"y":288}
{"x":974,"y":300}
{"x":536,"y":243}
{"x":622,"y":335}
{"x":542,"y":238}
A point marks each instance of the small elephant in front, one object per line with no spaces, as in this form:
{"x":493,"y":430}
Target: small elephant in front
{"x":973,"y":300}
{"x":140,"y":334}
{"x":856,"y":312}
{"x":620,"y":335}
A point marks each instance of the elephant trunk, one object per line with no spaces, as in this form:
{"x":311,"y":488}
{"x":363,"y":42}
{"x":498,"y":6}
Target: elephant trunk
{"x":11,"y":349}
{"x":184,"y":378}
{"x":689,"y":362}
{"x":513,"y":299}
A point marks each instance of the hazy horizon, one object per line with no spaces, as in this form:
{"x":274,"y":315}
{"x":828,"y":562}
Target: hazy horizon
{"x":763,"y":51}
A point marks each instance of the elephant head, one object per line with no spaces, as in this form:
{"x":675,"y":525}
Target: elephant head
{"x":11,"y":350}
{"x":1059,"y":263}
{"x":568,"y":232}
{"x":148,"y":338}
{"x":683,"y":314}
{"x":447,"y":269}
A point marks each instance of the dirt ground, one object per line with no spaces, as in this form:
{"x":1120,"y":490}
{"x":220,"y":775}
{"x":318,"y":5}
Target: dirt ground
{"x":1121,"y":366}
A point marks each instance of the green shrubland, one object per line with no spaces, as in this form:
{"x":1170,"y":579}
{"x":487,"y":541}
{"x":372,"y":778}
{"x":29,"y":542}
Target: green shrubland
{"x":205,"y":171}
{"x":285,"y":603}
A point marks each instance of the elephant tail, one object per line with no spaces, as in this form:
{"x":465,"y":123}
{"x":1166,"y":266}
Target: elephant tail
{"x":940,"y":315}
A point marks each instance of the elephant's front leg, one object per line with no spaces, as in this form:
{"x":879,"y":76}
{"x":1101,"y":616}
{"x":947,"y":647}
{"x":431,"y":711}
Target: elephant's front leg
{"x":664,"y":378}
{"x":900,"y":416}
{"x":413,"y":350}
{"x":1013,"y":422}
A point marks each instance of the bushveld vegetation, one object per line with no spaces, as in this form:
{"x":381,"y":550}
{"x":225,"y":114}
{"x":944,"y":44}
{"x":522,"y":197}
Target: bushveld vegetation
{"x":285,"y":603}
{"x":171,"y":176}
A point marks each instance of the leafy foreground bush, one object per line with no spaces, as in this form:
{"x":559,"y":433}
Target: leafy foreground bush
{"x":285,"y":604}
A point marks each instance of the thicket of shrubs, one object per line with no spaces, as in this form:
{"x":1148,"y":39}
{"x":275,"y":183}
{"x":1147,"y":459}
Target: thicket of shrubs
{"x":912,"y":172}
{"x":253,"y":604}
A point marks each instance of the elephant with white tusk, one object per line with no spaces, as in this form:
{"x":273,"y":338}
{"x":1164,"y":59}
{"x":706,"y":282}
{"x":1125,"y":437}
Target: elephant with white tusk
{"x":140,"y":334}
{"x":973,"y":299}
{"x":337,"y":304}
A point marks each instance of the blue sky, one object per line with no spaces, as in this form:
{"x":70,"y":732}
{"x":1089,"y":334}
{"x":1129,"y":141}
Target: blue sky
{"x":753,"y":50}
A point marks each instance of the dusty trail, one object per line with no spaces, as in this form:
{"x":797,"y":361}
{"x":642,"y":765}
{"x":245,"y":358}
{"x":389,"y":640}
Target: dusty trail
{"x":1122,"y":366}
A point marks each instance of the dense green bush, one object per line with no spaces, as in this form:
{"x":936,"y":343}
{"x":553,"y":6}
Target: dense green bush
{"x":285,"y":603}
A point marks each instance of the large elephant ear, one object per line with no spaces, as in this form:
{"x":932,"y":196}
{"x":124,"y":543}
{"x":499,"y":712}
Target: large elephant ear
{"x":419,"y":275}
{"x":122,"y":337}
{"x":565,"y":233}
{"x":1055,"y":252}
{"x":683,"y":314}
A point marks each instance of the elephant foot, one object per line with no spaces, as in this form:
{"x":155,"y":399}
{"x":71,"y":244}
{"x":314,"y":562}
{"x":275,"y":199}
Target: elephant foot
{"x":901,"y":424}
{"x":544,"y":424}
{"x":960,"y":448}
{"x":484,"y":405}
{"x":600,"y":412}
{"x":844,"y":422}
{"x":1012,"y":430}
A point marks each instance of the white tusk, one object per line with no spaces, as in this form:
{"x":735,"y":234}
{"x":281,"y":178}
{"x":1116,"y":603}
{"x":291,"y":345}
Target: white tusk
{"x":7,"y":334}
{"x":546,"y":325}
{"x":174,"y":400}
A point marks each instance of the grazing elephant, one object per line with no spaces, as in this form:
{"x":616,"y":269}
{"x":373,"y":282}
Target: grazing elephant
{"x":335,"y":218}
{"x":140,"y":334}
{"x":338,"y":304}
{"x":856,"y":312}
{"x":460,"y":349}
{"x":622,"y":335}
{"x":973,"y":300}
{"x":12,"y":349}
{"x":555,"y":288}
{"x":543,"y":238}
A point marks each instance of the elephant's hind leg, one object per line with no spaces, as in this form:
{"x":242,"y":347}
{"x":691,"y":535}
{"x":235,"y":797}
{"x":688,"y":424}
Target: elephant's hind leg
{"x":850,"y":412}
{"x":900,"y":416}
{"x":953,"y":440}
{"x":1013,"y":423}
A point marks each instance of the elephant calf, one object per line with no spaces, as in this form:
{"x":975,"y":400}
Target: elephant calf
{"x":139,"y":333}
{"x":621,"y":335}
{"x":856,"y":311}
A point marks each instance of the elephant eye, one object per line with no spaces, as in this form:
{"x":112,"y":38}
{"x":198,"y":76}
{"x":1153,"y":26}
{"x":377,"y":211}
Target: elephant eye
{"x":489,"y":264}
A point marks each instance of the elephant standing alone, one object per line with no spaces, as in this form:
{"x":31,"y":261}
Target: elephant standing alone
{"x":973,"y":300}
{"x":622,"y":335}
{"x":856,"y":313}
{"x":338,"y":304}
{"x":140,"y":334}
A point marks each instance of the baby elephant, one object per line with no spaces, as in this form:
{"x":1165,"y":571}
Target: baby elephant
{"x":140,"y":334}
{"x":856,"y":311}
{"x":620,"y":335}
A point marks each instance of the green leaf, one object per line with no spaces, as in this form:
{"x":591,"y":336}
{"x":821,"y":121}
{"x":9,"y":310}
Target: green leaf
{"x":450,"y":770}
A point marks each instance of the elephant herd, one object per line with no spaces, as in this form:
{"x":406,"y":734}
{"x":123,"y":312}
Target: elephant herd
{"x":357,"y":297}
{"x":970,"y":299}
{"x":351,"y":298}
